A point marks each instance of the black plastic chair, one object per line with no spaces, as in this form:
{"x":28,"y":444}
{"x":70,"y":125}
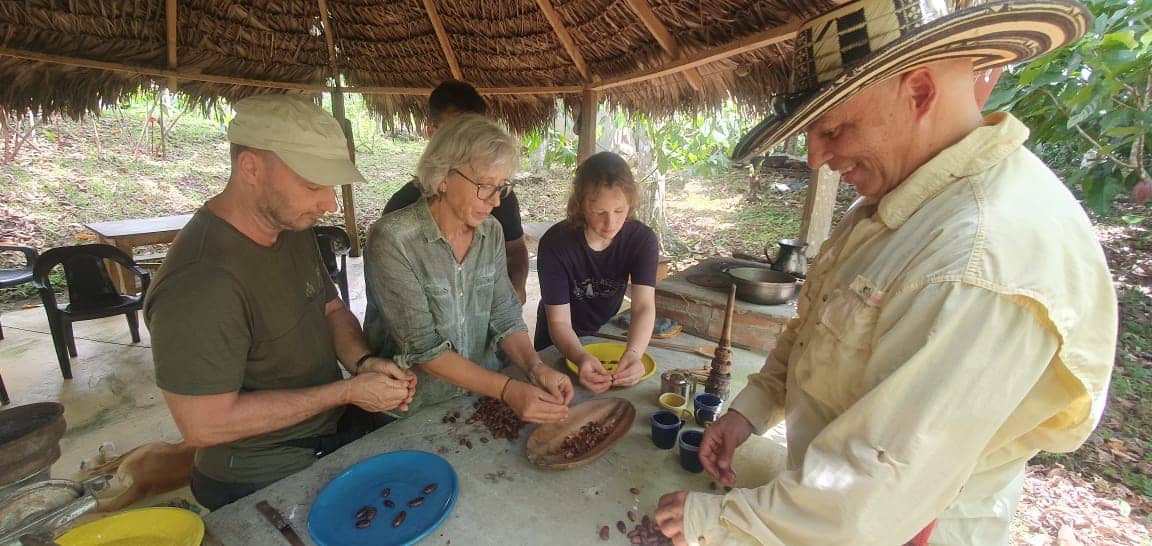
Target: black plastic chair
{"x":8,"y":279}
{"x":17,"y":276}
{"x":334,"y":243}
{"x":91,"y":294}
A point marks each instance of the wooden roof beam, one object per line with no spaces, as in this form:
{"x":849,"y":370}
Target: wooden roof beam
{"x":667,"y":42}
{"x":749,"y":43}
{"x":753,"y":42}
{"x":328,"y":39}
{"x":442,"y":35}
{"x":565,"y":38}
{"x":170,"y":30}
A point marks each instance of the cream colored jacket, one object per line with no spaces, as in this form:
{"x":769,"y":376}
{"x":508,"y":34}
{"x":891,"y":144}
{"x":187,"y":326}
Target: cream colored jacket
{"x":947,"y":332}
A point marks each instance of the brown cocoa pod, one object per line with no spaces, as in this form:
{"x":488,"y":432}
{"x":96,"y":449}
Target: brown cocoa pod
{"x":604,"y":533}
{"x":360,"y":524}
{"x":399,"y":519}
{"x":416,"y":502}
{"x":430,"y":488}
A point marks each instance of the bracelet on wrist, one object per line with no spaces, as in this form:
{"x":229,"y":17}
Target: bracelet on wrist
{"x":504,"y":389}
{"x":360,"y":362}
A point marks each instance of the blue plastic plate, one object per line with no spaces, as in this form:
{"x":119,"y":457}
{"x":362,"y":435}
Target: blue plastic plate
{"x":332,"y":520}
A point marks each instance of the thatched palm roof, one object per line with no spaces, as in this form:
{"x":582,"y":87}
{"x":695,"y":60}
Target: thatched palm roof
{"x":652,"y":56}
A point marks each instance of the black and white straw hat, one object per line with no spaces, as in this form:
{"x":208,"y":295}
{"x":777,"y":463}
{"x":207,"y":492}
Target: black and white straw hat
{"x":864,"y":42}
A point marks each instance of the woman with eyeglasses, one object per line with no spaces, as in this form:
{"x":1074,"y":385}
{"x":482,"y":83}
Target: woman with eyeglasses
{"x":585,"y":263}
{"x":439,"y":299}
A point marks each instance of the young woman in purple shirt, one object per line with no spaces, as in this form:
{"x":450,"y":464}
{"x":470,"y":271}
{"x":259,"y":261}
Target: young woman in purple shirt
{"x":585,"y":263}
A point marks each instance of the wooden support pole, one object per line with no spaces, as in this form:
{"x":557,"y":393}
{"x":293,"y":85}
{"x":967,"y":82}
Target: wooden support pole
{"x":346,"y":189}
{"x":170,"y":30}
{"x":816,"y":223}
{"x":586,"y":143}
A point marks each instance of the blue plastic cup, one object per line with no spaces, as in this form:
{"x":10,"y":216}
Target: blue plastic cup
{"x":690,"y":450}
{"x":707,"y":408}
{"x":665,"y":426}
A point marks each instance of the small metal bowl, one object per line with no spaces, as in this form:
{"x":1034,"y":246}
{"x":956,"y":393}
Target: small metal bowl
{"x":762,"y":286}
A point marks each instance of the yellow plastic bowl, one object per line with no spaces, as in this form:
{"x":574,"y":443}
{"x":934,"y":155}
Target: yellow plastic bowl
{"x":610,"y":353}
{"x":144,"y":527}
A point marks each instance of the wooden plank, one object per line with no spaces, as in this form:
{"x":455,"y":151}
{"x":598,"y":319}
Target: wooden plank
{"x":140,"y":227}
{"x":565,"y":38}
{"x":667,"y":42}
{"x":349,"y":202}
{"x":442,"y":35}
{"x":586,"y":145}
{"x":816,"y":223}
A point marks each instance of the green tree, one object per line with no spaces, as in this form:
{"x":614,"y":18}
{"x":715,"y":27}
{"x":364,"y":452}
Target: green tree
{"x":1090,"y":105}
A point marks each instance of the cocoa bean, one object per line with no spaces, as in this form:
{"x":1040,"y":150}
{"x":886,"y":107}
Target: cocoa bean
{"x":631,"y":516}
{"x":621,"y":527}
{"x":363,"y":523}
{"x":430,"y":488}
{"x":399,"y":519}
{"x":634,"y":491}
{"x":416,"y":502}
{"x":389,"y":504}
{"x":604,"y":533}
{"x":387,"y":491}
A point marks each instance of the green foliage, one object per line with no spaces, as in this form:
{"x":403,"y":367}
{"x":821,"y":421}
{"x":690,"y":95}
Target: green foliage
{"x":1090,"y":105}
{"x":694,"y":144}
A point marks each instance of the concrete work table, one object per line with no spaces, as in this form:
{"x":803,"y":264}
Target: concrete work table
{"x":502,"y":498}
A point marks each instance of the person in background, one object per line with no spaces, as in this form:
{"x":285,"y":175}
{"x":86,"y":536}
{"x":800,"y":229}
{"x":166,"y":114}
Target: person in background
{"x":248,"y":332}
{"x":585,"y":264}
{"x":438,"y":298}
{"x":960,"y":318}
{"x":450,"y":99}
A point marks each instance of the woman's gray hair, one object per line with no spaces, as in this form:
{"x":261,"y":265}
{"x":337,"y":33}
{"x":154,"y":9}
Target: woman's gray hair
{"x":467,"y":138}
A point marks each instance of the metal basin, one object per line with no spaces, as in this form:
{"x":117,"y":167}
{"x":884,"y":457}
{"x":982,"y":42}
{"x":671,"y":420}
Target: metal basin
{"x":763,"y":286}
{"x":29,"y":440}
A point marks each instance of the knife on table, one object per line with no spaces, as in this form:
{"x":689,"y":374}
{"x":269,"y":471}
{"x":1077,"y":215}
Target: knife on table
{"x":277,"y":520}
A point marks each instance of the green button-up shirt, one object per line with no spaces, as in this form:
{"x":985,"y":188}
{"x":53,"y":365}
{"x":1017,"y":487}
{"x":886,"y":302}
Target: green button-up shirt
{"x":422,"y":302}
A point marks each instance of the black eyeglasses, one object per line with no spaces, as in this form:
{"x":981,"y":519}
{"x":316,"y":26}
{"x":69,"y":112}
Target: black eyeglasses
{"x":485,"y":192}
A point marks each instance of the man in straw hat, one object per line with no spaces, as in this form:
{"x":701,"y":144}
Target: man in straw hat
{"x":246,"y":325}
{"x":961,"y":317}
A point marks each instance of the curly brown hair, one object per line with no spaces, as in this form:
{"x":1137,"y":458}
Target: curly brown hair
{"x":602,"y":170}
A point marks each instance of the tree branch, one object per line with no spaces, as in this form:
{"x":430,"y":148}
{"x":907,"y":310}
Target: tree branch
{"x":1085,"y":134}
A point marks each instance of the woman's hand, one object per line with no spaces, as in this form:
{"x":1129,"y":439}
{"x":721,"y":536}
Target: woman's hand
{"x":553,"y":382}
{"x":533,"y":404}
{"x":593,"y":375}
{"x":630,"y":371}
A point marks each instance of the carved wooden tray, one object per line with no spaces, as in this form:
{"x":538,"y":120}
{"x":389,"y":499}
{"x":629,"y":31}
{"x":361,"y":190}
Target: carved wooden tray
{"x":544,"y":445}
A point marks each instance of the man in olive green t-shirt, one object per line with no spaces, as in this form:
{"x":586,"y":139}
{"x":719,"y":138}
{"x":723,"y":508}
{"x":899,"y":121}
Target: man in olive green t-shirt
{"x":246,"y":325}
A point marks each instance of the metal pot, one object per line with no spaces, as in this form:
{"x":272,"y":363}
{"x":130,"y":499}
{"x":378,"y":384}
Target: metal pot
{"x":762,"y":286}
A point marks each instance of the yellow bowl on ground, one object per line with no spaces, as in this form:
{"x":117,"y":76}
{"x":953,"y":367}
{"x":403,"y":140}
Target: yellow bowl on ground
{"x":609,"y":356}
{"x":144,"y":527}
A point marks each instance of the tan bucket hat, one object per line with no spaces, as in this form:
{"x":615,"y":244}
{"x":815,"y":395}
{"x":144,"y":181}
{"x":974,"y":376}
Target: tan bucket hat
{"x":304,"y":136}
{"x":840,"y":53}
